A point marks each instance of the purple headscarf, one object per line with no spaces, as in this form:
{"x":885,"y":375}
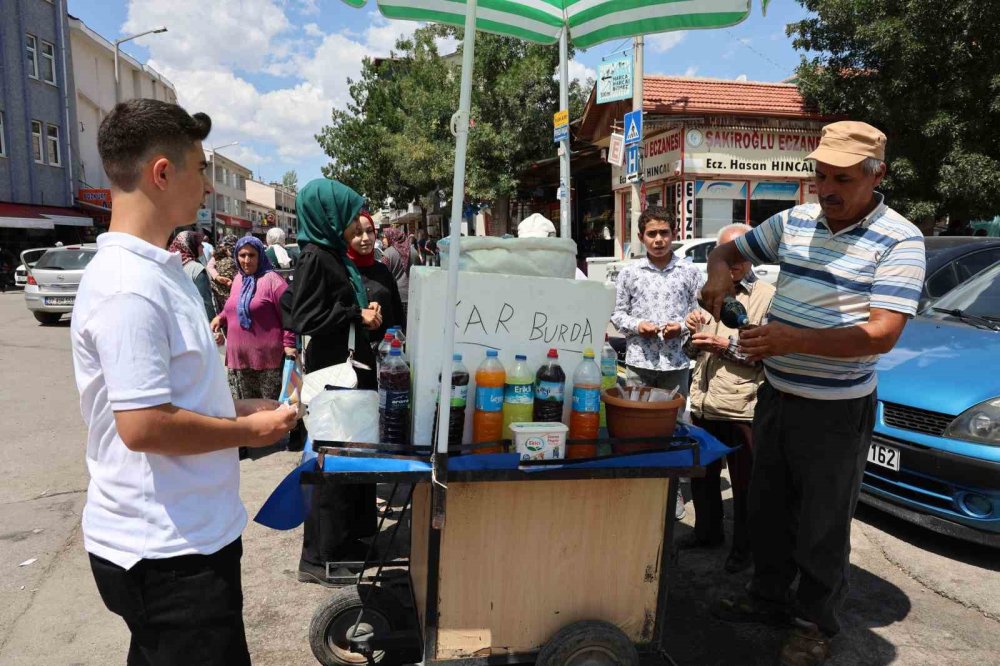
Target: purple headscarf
{"x":249,"y":285}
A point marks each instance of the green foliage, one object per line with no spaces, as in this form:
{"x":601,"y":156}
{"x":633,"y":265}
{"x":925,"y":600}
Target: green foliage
{"x":925,"y":73}
{"x":290,"y":180}
{"x":394,"y":138}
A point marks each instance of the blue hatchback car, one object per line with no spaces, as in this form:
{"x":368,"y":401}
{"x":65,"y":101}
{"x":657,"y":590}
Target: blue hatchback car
{"x":935,"y":455}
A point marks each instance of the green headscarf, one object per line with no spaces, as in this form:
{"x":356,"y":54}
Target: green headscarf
{"x":326,"y":208}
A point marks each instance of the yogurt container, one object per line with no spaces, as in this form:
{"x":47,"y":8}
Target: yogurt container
{"x":539,"y":441}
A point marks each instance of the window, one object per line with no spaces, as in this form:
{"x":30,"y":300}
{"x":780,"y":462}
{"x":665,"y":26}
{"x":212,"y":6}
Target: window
{"x":48,"y":63}
{"x":699,"y":253}
{"x":36,"y":141}
{"x":52,"y":144}
{"x":3,"y":142}
{"x":32,"y":54}
{"x":973,"y":264}
{"x":219,"y":172}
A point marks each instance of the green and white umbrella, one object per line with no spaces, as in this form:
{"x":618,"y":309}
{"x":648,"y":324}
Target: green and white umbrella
{"x":586,"y":23}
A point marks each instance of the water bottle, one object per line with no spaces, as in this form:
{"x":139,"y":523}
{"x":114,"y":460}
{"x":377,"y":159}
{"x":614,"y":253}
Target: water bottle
{"x":609,"y":372}
{"x":459,"y":400}
{"x":550,"y":386}
{"x":585,"y":419}
{"x":394,"y":398}
{"x":487,"y":420}
{"x":518,"y":395}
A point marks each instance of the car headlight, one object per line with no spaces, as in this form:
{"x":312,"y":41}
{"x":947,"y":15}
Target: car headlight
{"x":978,"y":424}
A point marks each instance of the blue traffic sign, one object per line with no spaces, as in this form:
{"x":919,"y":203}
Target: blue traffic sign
{"x":633,"y":127}
{"x":560,"y":133}
{"x":632,"y":163}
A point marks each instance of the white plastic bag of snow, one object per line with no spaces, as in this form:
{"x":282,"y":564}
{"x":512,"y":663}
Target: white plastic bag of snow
{"x":533,"y":257}
{"x":343,"y":415}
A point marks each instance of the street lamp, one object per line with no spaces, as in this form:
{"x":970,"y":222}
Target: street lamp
{"x":118,"y":43}
{"x":214,"y":150}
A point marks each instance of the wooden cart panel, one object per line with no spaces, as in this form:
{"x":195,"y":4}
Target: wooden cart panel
{"x":521,"y":559}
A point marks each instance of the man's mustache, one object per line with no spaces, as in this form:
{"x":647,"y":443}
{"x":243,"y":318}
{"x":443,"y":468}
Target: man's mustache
{"x":831,"y":201}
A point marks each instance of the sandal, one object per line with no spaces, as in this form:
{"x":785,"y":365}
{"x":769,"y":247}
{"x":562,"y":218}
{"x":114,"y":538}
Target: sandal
{"x":805,"y":646}
{"x":747,"y":609}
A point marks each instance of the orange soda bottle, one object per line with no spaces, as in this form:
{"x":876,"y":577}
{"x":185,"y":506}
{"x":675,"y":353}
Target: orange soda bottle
{"x":487,"y":420}
{"x":585,"y":419}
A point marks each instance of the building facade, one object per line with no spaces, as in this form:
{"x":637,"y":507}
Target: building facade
{"x":37,"y":104}
{"x":713,"y":151}
{"x":94,"y":75}
{"x":272,"y":205}
{"x":230,"y":182}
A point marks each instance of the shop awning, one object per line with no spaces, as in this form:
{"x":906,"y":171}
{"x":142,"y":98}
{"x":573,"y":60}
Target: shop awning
{"x":25,"y":216}
{"x":233,"y":221}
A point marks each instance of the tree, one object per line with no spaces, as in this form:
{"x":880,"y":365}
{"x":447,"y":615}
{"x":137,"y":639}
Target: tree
{"x":394,"y":138}
{"x":927,"y":73}
{"x":291,"y":180}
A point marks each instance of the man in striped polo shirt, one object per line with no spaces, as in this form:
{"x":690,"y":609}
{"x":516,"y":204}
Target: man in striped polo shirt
{"x":851,"y":274}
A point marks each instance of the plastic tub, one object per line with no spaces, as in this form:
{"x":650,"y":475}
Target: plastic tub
{"x":539,"y":441}
{"x":631,"y":418}
{"x":539,"y":257}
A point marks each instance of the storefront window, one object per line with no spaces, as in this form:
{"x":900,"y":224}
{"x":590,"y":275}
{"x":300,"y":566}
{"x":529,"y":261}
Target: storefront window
{"x":710,"y":215}
{"x":770,"y":198}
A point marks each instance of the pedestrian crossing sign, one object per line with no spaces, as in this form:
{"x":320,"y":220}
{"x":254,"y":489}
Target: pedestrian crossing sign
{"x":633,"y":127}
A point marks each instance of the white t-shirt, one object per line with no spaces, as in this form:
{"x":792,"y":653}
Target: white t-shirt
{"x":140,"y":339}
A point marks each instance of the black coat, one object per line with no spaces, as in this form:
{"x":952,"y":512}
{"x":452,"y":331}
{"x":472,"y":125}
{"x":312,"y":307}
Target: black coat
{"x":321,"y":303}
{"x":382,"y":289}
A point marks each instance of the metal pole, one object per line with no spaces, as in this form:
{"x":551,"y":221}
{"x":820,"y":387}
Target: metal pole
{"x":214,"y":237}
{"x":460,"y":125}
{"x":117,"y":87}
{"x":633,"y":225}
{"x":565,"y":224}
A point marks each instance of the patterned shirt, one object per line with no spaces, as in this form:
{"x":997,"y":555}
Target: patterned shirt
{"x":733,"y":353}
{"x":833,"y":280}
{"x":667,"y":296}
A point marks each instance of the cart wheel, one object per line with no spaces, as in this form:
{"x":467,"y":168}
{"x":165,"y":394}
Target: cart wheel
{"x":328,"y":631}
{"x":588,"y":643}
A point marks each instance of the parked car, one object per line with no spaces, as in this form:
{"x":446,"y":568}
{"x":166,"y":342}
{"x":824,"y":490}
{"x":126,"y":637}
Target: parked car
{"x":696,"y":251}
{"x":935,"y":455}
{"x":54,"y":279}
{"x":952,"y":260}
{"x":28,"y":259}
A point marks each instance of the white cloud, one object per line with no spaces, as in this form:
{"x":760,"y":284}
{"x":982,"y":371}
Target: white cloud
{"x":446,"y":45}
{"x":691,"y":71}
{"x":664,"y":41}
{"x":578,"y":70}
{"x":307,"y":7}
{"x":312,"y":30}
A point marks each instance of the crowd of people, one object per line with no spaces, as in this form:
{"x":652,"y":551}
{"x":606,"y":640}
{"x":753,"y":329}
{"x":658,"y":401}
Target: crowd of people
{"x":793,"y":391}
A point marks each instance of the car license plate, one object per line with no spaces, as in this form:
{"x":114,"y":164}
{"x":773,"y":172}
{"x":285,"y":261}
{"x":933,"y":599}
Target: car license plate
{"x":884,"y":456}
{"x":59,"y":301}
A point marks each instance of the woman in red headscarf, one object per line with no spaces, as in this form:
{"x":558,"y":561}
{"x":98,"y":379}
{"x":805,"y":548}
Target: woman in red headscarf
{"x":378,"y":279}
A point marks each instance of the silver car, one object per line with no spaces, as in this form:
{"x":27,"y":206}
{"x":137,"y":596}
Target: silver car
{"x":28,"y":259}
{"x":54,"y":280}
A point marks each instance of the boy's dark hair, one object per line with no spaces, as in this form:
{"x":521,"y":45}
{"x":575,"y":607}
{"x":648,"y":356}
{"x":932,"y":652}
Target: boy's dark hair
{"x":137,"y":129}
{"x":657,"y":214}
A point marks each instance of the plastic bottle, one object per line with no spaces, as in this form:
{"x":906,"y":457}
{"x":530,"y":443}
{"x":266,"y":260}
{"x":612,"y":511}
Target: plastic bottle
{"x":518,"y":395}
{"x":459,"y":400}
{"x":383,"y":350}
{"x":487,"y":420}
{"x":394,"y":398}
{"x":733,"y":314}
{"x":397,"y":332}
{"x":550,"y":387}
{"x":585,"y":418}
{"x":609,"y":372}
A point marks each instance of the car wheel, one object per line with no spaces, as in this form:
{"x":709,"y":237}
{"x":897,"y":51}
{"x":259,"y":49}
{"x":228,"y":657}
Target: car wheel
{"x":47,"y":318}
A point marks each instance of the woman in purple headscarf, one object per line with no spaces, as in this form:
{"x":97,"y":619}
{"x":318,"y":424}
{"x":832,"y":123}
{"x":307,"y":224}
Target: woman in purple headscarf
{"x":250,"y":324}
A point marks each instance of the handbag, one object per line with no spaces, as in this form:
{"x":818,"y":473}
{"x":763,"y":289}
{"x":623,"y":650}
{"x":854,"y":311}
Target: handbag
{"x":341,"y":375}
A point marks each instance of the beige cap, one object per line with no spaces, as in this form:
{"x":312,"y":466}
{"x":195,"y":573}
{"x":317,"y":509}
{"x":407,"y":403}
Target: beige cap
{"x":848,"y":143}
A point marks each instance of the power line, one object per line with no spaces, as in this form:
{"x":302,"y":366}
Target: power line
{"x":746,"y":44}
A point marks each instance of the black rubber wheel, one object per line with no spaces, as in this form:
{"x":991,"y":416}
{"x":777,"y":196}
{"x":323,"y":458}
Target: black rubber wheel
{"x":589,"y":643}
{"x":335,"y":618}
{"x":47,"y":318}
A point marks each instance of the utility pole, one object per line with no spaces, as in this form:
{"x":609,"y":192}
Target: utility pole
{"x":565,"y":224}
{"x":636,"y":209}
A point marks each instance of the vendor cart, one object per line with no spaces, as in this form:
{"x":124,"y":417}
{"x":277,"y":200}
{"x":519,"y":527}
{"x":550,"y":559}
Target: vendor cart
{"x":551,"y":562}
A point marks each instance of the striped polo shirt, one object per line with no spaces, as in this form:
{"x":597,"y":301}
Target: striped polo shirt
{"x":832,"y":280}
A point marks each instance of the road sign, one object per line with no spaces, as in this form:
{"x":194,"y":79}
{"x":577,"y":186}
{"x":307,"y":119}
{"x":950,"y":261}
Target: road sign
{"x":560,"y":133}
{"x":616,"y":150}
{"x":560,"y":118}
{"x":614,"y":80}
{"x":632,"y":163}
{"x":633,"y":127}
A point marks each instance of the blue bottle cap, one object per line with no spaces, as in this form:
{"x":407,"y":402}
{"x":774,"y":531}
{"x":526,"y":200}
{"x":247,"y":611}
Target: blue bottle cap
{"x":520,"y":357}
{"x":456,"y":357}
{"x":491,"y":352}
{"x":395,"y":351}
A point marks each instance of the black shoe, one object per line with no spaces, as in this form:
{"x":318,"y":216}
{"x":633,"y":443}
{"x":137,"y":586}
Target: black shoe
{"x":737,"y":562}
{"x":339,"y":577}
{"x":691,"y":541}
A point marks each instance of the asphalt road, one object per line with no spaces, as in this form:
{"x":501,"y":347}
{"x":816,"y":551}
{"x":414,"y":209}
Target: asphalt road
{"x":916,"y":598}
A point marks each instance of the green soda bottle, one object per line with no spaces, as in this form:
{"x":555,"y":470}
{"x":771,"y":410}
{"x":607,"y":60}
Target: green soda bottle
{"x":609,"y":373}
{"x":518,"y":395}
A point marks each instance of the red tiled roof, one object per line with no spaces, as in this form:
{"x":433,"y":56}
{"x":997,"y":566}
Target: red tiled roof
{"x":680,"y":95}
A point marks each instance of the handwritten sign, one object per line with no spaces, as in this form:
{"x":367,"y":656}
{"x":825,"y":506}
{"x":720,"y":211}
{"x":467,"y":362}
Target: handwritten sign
{"x":510,"y":313}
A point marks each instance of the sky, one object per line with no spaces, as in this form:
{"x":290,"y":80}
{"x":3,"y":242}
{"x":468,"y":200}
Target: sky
{"x":269,"y":72}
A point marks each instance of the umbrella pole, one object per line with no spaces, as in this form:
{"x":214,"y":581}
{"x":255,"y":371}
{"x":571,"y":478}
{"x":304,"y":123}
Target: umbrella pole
{"x":565,"y":227}
{"x":460,"y":128}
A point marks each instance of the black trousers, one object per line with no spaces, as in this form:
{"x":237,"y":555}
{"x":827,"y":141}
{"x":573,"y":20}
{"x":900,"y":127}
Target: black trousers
{"x":339,"y":514}
{"x":707,"y":491}
{"x":808,"y":464}
{"x":182,"y":610}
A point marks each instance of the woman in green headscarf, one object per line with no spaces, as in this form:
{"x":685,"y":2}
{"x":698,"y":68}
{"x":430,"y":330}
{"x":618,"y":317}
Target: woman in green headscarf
{"x":329,"y":296}
{"x":328,"y":299}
